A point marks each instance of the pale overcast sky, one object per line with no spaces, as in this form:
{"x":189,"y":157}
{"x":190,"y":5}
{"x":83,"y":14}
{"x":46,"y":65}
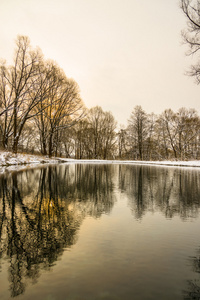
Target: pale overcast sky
{"x":122,"y":53}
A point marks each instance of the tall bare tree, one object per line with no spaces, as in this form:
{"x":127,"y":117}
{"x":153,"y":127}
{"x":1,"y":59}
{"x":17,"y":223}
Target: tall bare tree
{"x":6,"y":105}
{"x":138,"y":131}
{"x":122,"y":142}
{"x":191,"y":35}
{"x":61,"y":106}
{"x":23,"y":81}
{"x":102,"y":133}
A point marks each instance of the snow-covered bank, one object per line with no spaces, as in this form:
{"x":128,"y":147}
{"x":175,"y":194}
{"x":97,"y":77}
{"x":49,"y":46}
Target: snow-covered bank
{"x":195,"y":163}
{"x":10,"y":161}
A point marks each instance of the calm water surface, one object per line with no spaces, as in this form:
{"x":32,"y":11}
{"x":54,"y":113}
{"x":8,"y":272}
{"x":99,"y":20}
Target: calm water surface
{"x":111,"y":232}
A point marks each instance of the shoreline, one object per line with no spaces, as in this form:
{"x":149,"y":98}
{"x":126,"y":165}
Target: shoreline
{"x":12,"y":162}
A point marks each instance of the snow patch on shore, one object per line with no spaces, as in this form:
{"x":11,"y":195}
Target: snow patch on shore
{"x":10,"y":161}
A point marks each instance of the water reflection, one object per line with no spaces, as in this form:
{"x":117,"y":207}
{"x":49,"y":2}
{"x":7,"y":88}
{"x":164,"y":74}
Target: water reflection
{"x":41,"y":212}
{"x":193,"y":291}
{"x":173,"y":191}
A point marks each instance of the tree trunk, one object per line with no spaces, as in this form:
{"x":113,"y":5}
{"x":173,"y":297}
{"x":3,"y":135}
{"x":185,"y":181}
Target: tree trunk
{"x":15,"y":144}
{"x":50,"y":145}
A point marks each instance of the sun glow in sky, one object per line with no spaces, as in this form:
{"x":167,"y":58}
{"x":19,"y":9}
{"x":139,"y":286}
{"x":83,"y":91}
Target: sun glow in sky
{"x":122,"y":53}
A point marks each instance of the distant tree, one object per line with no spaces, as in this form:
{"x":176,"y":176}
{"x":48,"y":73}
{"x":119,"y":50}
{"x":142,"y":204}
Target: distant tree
{"x":169,"y":132}
{"x":109,"y":136}
{"x":122,"y":143}
{"x":68,"y":141}
{"x":137,"y":128}
{"x":178,"y":134}
{"x":160,"y":135}
{"x":82,"y":138}
{"x":151,"y":143}
{"x":95,"y":119}
{"x":188,"y":126}
{"x":102,"y":126}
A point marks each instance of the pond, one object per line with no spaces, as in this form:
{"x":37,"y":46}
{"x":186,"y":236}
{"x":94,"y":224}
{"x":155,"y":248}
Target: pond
{"x":99,"y":231}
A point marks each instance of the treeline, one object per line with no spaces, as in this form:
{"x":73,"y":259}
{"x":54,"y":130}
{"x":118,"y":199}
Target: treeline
{"x":41,"y":111}
{"x":168,"y":136}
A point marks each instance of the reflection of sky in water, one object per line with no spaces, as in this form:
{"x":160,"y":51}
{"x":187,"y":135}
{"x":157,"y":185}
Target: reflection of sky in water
{"x":103,"y":232}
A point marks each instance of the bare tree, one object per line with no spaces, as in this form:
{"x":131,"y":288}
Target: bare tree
{"x":6,"y":105}
{"x":160,"y":136}
{"x":178,"y":134}
{"x":102,"y":126}
{"x":138,"y":131}
{"x":35,"y":88}
{"x":61,"y":106}
{"x":82,"y":138}
{"x":24,"y":85}
{"x":188,"y":129}
{"x":122,"y":142}
{"x":191,"y":35}
{"x":170,"y":131}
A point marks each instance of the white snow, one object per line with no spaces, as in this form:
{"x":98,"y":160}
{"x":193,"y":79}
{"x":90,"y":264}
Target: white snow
{"x":10,"y":161}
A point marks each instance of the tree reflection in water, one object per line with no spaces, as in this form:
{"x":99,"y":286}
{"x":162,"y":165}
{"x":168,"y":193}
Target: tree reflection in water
{"x":41,"y":212}
{"x":173,"y":191}
{"x":193,"y":291}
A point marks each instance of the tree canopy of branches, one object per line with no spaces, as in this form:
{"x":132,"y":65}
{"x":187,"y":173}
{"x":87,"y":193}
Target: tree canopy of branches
{"x":191,"y":35}
{"x":33,"y":87}
{"x":61,"y":107}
